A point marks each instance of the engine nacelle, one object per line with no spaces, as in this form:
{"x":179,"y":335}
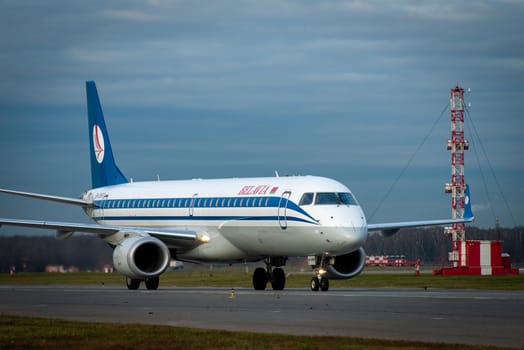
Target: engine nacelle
{"x":141,"y":257}
{"x":347,"y":266}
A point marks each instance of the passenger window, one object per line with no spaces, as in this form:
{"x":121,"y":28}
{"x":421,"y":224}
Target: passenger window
{"x":307,"y":199}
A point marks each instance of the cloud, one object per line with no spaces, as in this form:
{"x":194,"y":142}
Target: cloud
{"x":338,"y":88}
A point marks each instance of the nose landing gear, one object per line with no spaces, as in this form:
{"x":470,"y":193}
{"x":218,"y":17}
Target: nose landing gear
{"x":320,"y":280}
{"x":321,"y":283}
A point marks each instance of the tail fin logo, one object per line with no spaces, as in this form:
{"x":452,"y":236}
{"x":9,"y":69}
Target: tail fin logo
{"x":98,"y":144}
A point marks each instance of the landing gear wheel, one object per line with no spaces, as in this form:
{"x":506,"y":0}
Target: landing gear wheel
{"x":315,"y":284}
{"x":259,"y":279}
{"x":152,"y":283}
{"x":132,"y":283}
{"x":324,"y":284}
{"x":279,"y":279}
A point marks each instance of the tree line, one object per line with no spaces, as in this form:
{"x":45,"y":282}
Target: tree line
{"x":34,"y":253}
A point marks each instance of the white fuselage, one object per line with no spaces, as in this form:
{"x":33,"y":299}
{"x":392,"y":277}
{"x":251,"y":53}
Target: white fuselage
{"x":245,"y":218}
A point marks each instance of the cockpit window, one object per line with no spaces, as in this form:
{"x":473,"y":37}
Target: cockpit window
{"x":347,"y":198}
{"x":337,"y":198}
{"x":307,"y":198}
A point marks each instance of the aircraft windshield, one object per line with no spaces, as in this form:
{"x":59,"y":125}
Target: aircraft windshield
{"x":307,"y":198}
{"x":337,"y":198}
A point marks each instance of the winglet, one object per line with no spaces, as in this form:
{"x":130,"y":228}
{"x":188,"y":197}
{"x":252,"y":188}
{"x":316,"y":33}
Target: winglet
{"x":104,"y":171}
{"x":468,"y":213}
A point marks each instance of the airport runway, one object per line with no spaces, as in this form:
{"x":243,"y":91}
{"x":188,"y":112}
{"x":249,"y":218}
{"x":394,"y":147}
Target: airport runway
{"x":449,"y":316}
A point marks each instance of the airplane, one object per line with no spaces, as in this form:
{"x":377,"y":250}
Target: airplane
{"x":234,"y":220}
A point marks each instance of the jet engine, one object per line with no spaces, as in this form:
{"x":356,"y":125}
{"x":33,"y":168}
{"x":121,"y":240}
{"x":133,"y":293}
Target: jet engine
{"x":347,"y":266}
{"x":141,"y":257}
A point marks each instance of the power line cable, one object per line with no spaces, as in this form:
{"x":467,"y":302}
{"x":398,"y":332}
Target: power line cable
{"x":492,"y":170}
{"x":409,"y":162}
{"x":481,"y":171}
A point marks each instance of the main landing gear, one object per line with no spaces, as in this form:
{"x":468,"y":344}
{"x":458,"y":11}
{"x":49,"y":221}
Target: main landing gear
{"x":275,"y":275}
{"x":151,"y":283}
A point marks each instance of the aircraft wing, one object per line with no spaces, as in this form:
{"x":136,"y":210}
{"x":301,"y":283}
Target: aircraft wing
{"x":389,"y":229}
{"x":171,"y":237}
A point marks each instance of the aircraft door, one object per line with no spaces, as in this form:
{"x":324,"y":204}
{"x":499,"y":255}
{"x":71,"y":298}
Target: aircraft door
{"x":192,"y":204}
{"x":282,"y":209}
{"x":104,"y":205}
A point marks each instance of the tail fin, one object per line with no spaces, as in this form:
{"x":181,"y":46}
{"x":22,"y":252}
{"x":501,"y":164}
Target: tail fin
{"x":104,"y":171}
{"x":468,"y":213}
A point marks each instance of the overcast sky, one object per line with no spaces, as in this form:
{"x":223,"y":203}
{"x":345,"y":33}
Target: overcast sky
{"x":342,"y":89}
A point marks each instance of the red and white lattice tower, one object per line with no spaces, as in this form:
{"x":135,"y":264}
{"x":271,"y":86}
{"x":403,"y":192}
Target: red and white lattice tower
{"x":457,"y":145}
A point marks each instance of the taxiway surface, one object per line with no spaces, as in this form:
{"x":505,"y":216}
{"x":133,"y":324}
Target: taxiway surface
{"x":445,"y":316}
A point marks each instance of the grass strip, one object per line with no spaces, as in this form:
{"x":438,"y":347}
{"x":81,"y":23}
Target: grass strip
{"x":39,"y":333}
{"x":237,"y":277}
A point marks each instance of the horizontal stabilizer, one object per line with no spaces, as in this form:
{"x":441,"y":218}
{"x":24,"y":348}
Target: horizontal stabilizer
{"x":47,"y":197}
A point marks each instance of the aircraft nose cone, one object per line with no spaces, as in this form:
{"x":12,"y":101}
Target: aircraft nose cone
{"x":358,"y":235}
{"x":351,"y":238}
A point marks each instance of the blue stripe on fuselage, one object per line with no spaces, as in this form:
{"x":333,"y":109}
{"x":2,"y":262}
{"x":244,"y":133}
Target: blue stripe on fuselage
{"x":201,"y":203}
{"x":203,"y":218}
